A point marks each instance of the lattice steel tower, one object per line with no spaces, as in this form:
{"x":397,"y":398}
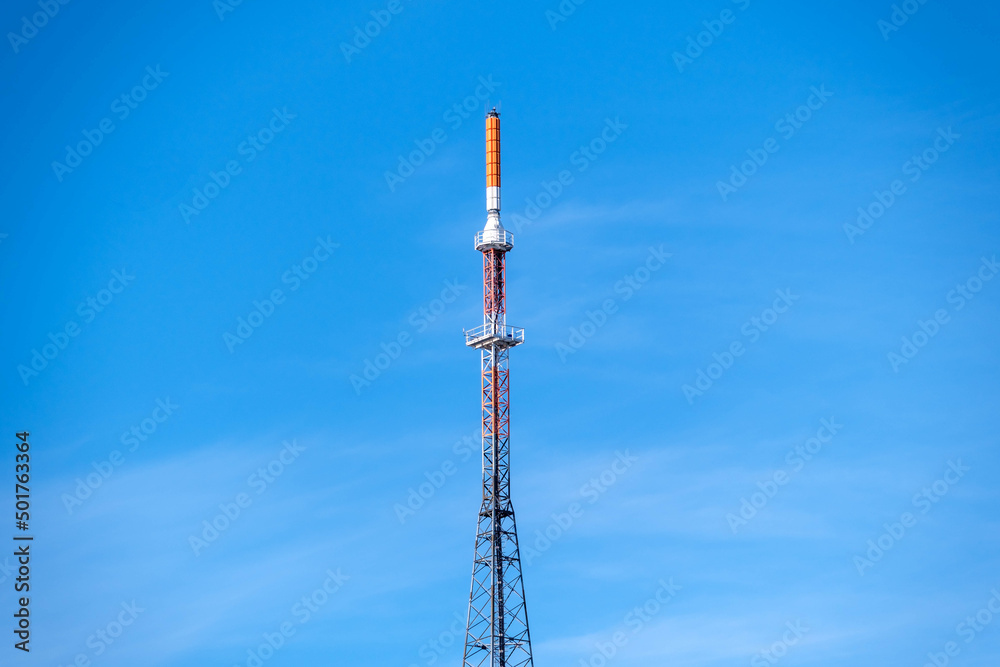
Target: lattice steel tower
{"x":497,"y":631}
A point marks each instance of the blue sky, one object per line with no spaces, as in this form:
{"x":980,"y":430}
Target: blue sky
{"x":245,"y":171}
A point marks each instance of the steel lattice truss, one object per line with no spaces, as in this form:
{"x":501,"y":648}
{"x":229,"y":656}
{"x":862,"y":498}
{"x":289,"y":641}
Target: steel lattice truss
{"x":494,"y":289}
{"x":497,"y":633}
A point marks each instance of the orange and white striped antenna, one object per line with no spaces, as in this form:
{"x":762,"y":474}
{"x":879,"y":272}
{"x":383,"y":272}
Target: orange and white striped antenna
{"x":493,"y":161}
{"x":493,"y":236}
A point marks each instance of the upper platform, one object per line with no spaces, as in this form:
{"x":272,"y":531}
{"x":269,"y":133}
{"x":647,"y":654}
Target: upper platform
{"x":490,"y":239}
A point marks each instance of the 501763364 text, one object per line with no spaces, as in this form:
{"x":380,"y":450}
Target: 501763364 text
{"x":22,"y":542}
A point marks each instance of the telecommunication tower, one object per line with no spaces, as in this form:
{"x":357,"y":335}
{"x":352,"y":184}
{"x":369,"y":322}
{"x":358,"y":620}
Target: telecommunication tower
{"x":497,"y":629}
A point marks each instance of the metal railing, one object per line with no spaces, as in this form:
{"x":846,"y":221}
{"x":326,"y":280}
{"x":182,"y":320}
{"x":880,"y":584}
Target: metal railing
{"x":485,"y":237}
{"x":490,"y":332}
